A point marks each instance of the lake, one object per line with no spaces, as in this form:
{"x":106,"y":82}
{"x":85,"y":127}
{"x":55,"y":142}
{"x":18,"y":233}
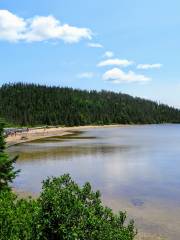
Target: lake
{"x":136,"y":168}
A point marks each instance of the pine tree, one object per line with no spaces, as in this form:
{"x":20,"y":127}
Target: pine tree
{"x":35,"y":105}
{"x":2,"y":141}
{"x":7,"y":171}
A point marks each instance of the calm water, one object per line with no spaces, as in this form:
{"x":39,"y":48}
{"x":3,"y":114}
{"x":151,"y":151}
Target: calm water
{"x":136,"y":168}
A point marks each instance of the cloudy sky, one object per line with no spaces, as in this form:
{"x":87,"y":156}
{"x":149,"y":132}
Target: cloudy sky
{"x":119,"y":45}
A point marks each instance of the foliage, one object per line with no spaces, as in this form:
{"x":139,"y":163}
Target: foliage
{"x":63,"y":211}
{"x":2,"y":140}
{"x":71,"y":212}
{"x":41,"y":105}
{"x":16,"y":217}
{"x":7,"y":172}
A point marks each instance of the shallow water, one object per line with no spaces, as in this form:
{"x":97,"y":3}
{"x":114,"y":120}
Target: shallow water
{"x":136,"y":168}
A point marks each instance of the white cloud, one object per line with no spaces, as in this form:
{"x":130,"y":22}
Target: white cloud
{"x":39,"y":28}
{"x":95,"y":45}
{"x":86,"y":75}
{"x":11,"y":26}
{"x":115,"y":62}
{"x":108,"y":54}
{"x":116,"y":75}
{"x":149,"y":66}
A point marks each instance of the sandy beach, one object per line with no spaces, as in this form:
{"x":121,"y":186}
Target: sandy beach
{"x":39,"y":133}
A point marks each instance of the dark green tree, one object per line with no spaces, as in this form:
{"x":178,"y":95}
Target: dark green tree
{"x":43,"y":105}
{"x":2,"y":140}
{"x":7,"y":171}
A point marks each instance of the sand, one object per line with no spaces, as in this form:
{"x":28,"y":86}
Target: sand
{"x":39,"y":133}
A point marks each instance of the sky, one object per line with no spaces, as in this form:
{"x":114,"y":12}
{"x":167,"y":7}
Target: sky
{"x":124,"y":46}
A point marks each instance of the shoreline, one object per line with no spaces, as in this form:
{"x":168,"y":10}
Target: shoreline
{"x":40,"y":133}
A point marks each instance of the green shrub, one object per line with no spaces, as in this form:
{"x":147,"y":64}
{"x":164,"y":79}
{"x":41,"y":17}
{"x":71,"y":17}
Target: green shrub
{"x":16,"y":217}
{"x":70,"y":212}
{"x":63,"y":211}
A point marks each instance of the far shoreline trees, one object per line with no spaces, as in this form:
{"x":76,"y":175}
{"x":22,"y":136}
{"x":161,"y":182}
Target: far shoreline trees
{"x":32,"y":105}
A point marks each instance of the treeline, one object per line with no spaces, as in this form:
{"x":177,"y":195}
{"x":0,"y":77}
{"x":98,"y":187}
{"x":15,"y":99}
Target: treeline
{"x":30,"y":104}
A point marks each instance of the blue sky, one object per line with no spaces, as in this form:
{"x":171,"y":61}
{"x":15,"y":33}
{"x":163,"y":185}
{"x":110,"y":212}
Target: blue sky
{"x":119,"y":45}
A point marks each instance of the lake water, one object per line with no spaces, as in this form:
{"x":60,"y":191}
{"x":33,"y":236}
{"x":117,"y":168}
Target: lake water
{"x":136,"y":168}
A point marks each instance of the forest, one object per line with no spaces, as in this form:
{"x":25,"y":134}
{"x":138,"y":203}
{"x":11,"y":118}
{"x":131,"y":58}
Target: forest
{"x":32,"y":105}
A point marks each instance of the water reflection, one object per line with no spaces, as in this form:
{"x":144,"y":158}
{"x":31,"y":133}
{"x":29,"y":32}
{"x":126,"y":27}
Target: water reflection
{"x":135,"y":168}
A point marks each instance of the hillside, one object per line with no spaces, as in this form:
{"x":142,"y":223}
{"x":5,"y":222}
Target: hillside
{"x":29,"y":104}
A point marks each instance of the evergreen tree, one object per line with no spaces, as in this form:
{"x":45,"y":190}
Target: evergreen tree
{"x":7,"y":172}
{"x":2,"y":140}
{"x":32,"y":105}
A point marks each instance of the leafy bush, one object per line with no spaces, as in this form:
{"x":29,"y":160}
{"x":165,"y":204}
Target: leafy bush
{"x":70,"y":212}
{"x":16,"y":217}
{"x":63,"y":211}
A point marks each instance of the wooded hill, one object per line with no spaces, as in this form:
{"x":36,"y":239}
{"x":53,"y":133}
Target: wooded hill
{"x":30,"y":105}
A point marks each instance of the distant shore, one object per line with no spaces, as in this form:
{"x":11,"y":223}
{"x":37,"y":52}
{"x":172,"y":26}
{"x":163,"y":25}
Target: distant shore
{"x":39,"y":133}
{"x":31,"y":134}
